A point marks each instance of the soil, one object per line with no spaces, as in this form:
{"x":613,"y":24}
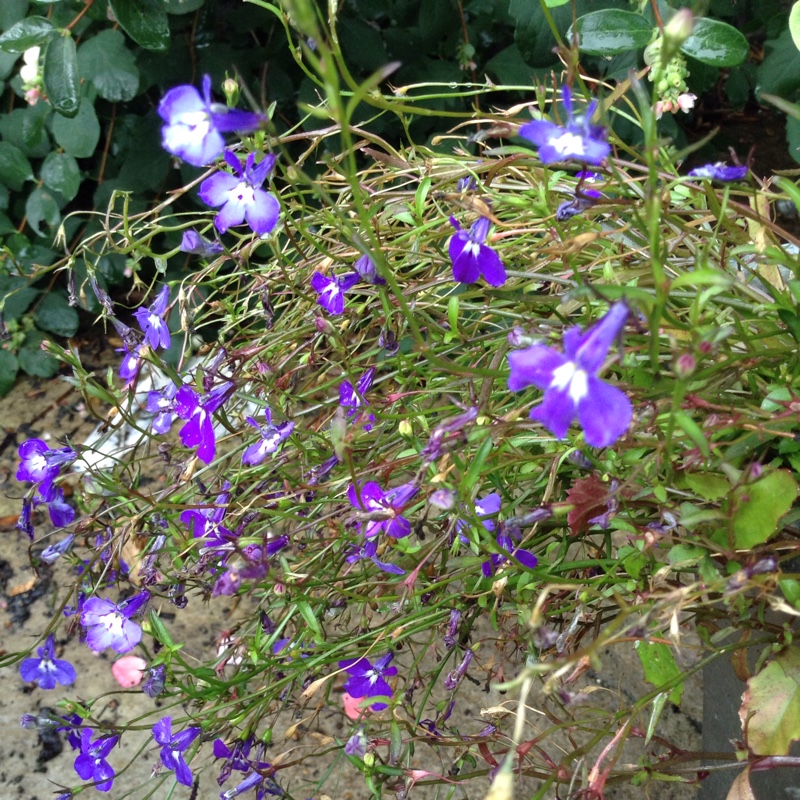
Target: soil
{"x":39,"y":766}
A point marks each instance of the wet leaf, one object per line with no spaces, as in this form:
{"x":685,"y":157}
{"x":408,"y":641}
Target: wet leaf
{"x":145,"y":21}
{"x":611,"y":31}
{"x":60,"y":74}
{"x":716,"y":43}
{"x":27,"y":33}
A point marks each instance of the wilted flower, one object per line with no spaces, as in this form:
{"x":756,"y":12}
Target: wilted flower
{"x":570,"y":381}
{"x":195,"y":124}
{"x":579,"y":140}
{"x":241,"y":195}
{"x":365,"y":267}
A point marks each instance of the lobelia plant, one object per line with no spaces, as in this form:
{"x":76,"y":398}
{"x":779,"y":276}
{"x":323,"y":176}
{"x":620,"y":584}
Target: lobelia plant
{"x":411,"y":531}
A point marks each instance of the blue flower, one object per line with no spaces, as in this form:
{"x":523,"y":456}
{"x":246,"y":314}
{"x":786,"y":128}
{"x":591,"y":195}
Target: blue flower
{"x":331,"y":290}
{"x":91,"y":764}
{"x":354,"y":398}
{"x":173,"y":747}
{"x":369,"y":680}
{"x":151,"y":321}
{"x":241,"y":195}
{"x":570,"y":383}
{"x":584,"y":198}
{"x":195,"y":124}
{"x":61,"y":512}
{"x":271,"y":438}
{"x":199,"y":429}
{"x":47,"y":670}
{"x":131,"y":363}
{"x":162,"y":404}
{"x":365,"y":267}
{"x":719,"y":172}
{"x":472,"y":257}
{"x":578,"y":140}
{"x":192,"y":242}
{"x":109,"y":625}
{"x":386,"y":506}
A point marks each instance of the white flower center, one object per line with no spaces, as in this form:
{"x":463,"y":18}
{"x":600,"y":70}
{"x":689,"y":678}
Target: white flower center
{"x":473,"y":249}
{"x":243,"y":193}
{"x":568,"y":144}
{"x":568,"y":376}
{"x":113,"y":623}
{"x":38,"y":463}
{"x":198,"y":122}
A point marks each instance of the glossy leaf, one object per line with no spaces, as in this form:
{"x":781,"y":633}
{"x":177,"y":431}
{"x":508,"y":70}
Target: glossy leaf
{"x":15,"y":168}
{"x":27,"y":33}
{"x":110,"y":66}
{"x":60,"y":172}
{"x":16,"y":295}
{"x":27,"y":129}
{"x":35,"y":361}
{"x":182,"y":6}
{"x":145,"y":21}
{"x":759,"y":506}
{"x":78,"y":136}
{"x":770,"y":711}
{"x":716,"y":43}
{"x":794,"y":24}
{"x":41,"y":207}
{"x":611,"y":31}
{"x":60,"y":73}
{"x":55,"y":315}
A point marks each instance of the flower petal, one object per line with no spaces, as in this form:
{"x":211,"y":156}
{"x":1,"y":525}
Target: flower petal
{"x":533,"y":366}
{"x":556,"y":412}
{"x":605,"y":413}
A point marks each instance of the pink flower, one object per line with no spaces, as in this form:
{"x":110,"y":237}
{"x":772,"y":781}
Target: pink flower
{"x":128,"y":671}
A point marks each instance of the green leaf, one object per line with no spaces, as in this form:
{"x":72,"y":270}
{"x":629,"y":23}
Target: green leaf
{"x":60,"y":172}
{"x":27,"y":33}
{"x":33,"y":360}
{"x":708,"y":486}
{"x":27,"y":129}
{"x":9,"y":366}
{"x":716,"y":43}
{"x":12,"y":11}
{"x":659,"y":667}
{"x":54,"y":314}
{"x":78,"y":136}
{"x":611,"y":31}
{"x":16,"y":295}
{"x":41,"y":207}
{"x":110,"y":66}
{"x":794,"y":24}
{"x":758,"y":507}
{"x":555,"y":3}
{"x":15,"y":168}
{"x":60,"y":74}
{"x":145,"y":21}
{"x":182,"y":6}
{"x":770,"y":711}
{"x":779,"y":72}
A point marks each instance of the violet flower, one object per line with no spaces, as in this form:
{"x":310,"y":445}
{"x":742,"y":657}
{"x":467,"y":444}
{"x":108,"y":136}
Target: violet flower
{"x":109,"y":624}
{"x":241,"y":195}
{"x":369,"y":680}
{"x":506,"y":542}
{"x":583,"y":199}
{"x":193,"y":243}
{"x":486,"y":506}
{"x":39,"y":464}
{"x":365,"y":267}
{"x":195,"y":124}
{"x":578,"y":140}
{"x":454,"y":677}
{"x":53,"y":552}
{"x":354,"y":399}
{"x":331,"y":290}
{"x":151,"y":321}
{"x":570,"y":383}
{"x":719,"y":172}
{"x":356,"y":745}
{"x":272,"y":436}
{"x":369,"y":551}
{"x":24,"y":524}
{"x":386,"y":505}
{"x":196,"y":410}
{"x":162,"y":404}
{"x":472,"y":257}
{"x":206,"y":523}
{"x":173,"y":747}
{"x":130,"y":364}
{"x":156,"y":680}
{"x":91,"y":764}
{"x":47,"y":670}
{"x":61,"y":512}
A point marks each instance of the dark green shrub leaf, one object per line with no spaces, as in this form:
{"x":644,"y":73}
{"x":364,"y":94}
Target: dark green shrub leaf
{"x":15,"y":168}
{"x":145,"y":21}
{"x":27,"y":129}
{"x":41,"y":207}
{"x":779,"y":72}
{"x":16,"y":296}
{"x":27,"y":33}
{"x":182,"y":6}
{"x":794,"y":24}
{"x":60,"y":73}
{"x":12,"y":11}
{"x":78,"y":136}
{"x":716,"y":44}
{"x":55,"y":315}
{"x":611,"y":31}
{"x":9,"y":366}
{"x":555,"y":3}
{"x":60,"y":172}
{"x":33,"y":360}
{"x":110,"y":66}
{"x":6,"y":225}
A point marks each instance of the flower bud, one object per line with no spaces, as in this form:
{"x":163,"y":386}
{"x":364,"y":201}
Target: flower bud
{"x":679,"y":28}
{"x":685,"y":365}
{"x":230,"y":89}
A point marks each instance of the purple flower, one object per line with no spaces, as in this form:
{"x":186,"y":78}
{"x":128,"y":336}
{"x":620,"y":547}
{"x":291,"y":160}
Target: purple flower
{"x":91,"y":763}
{"x":387,"y":506}
{"x":241,"y":195}
{"x":109,"y":625}
{"x":40,"y":464}
{"x":452,"y":628}
{"x":584,"y":198}
{"x":24,"y":524}
{"x":131,"y":363}
{"x":368,"y":680}
{"x":206,"y":523}
{"x":504,"y":540}
{"x":356,"y":745}
{"x":578,"y":140}
{"x":47,"y":670}
{"x":154,"y":685}
{"x":369,"y":550}
{"x":61,"y":512}
{"x":354,"y":399}
{"x":195,"y":123}
{"x":471,"y":257}
{"x":263,"y":783}
{"x":454,"y":676}
{"x":192,"y":242}
{"x":719,"y":172}
{"x":570,"y":383}
{"x":271,"y":438}
{"x":54,"y":551}
{"x":173,"y":747}
{"x":154,"y":327}
{"x":162,"y":404}
{"x":331,"y":290}
{"x":365,"y":267}
{"x":199,"y":429}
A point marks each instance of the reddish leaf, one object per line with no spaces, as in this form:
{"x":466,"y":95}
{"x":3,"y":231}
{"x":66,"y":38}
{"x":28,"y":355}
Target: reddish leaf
{"x":590,"y":499}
